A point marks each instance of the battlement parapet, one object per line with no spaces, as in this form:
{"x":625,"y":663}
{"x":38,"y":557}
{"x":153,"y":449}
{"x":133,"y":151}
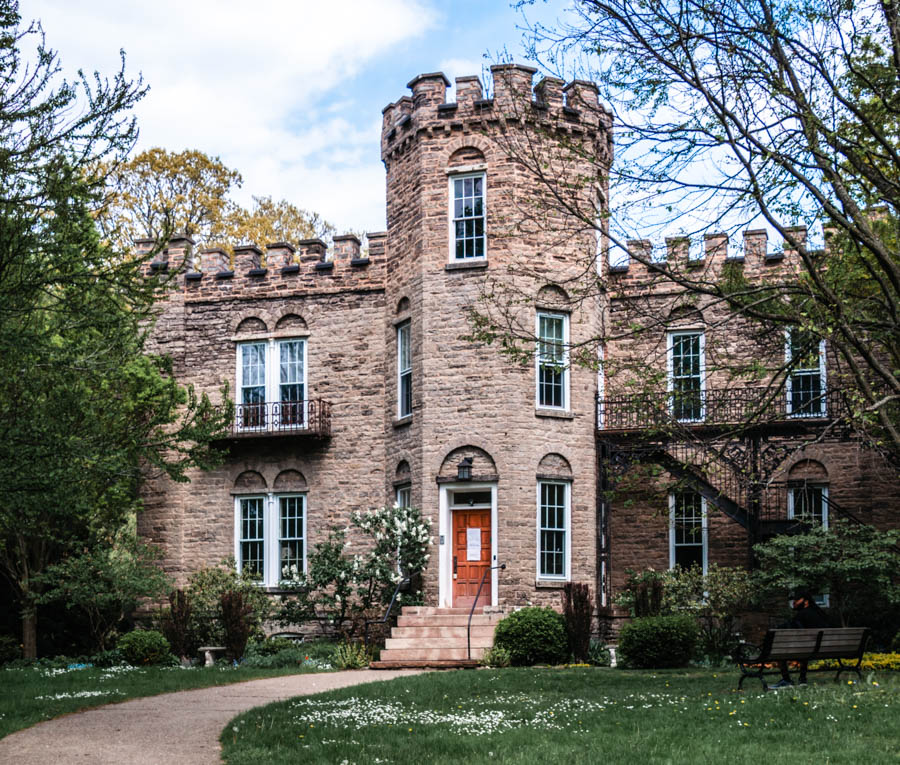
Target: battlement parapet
{"x":284,"y":270}
{"x":647,"y":262}
{"x":572,"y":107}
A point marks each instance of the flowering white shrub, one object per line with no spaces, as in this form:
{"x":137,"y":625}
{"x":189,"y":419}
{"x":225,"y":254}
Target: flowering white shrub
{"x":347,"y":588}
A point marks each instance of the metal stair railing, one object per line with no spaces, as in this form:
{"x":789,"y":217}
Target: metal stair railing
{"x":502,"y":567}
{"x":387,"y":613}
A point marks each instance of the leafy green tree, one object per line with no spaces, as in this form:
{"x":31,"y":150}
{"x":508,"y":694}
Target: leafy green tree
{"x":106,"y":584}
{"x":726,"y":112}
{"x":715,"y":600}
{"x":84,"y":413}
{"x":857,"y":566}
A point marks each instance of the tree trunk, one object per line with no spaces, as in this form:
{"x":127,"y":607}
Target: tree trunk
{"x":29,"y":632}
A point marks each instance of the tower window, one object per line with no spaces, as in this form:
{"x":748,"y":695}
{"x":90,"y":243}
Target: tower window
{"x":468,"y":216}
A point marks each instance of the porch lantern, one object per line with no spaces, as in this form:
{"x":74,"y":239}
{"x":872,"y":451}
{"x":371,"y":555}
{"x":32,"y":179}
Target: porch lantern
{"x":464,"y":469}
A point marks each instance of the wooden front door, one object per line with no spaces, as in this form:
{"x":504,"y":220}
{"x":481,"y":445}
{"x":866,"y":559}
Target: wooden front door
{"x":471,"y":556}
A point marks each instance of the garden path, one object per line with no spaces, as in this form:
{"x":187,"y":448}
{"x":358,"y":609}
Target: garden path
{"x":174,"y":728}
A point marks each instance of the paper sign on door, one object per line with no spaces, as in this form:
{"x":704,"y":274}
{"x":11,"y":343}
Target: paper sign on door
{"x":473,"y":544}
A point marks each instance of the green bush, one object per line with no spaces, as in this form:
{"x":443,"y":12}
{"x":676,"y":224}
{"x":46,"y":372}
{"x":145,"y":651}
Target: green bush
{"x":10,"y":650}
{"x":533,"y":636}
{"x":274,"y":653}
{"x":598,"y":653}
{"x":143,"y":647}
{"x":204,"y":592}
{"x":111,"y":658}
{"x":656,"y":642}
{"x":350,"y":655}
{"x":496,"y":657}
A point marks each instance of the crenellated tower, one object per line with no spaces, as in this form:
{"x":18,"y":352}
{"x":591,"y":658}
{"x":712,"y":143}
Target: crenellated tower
{"x":465,"y":218}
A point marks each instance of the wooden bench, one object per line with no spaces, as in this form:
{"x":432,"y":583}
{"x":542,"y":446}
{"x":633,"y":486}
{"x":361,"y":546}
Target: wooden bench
{"x":803,"y":645}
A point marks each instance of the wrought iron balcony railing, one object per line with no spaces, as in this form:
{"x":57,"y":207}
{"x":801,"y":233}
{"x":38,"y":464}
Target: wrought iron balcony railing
{"x":733,"y":406}
{"x":279,"y":418}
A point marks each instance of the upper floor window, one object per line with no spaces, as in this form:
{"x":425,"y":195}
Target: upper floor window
{"x":468,"y":212}
{"x":553,"y":530}
{"x":805,"y":354}
{"x":686,"y":375}
{"x":552,"y":360}
{"x":687,"y":530}
{"x":271,"y":383}
{"x":404,"y":371}
{"x":270,"y":542}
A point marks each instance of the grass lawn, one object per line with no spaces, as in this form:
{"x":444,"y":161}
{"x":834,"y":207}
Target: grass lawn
{"x":30,"y":695}
{"x":576,"y":715}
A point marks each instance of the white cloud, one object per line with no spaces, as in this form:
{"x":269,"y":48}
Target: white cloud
{"x":264,"y":85}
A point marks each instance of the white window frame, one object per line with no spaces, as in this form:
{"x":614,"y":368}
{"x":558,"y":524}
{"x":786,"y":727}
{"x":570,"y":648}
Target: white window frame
{"x":566,"y":529}
{"x":451,"y":215}
{"x":272,"y":575}
{"x":601,"y":386}
{"x":704,"y":530}
{"x":272,"y":380}
{"x":822,"y":600}
{"x":403,"y":495}
{"x":670,"y":370}
{"x":789,"y":383}
{"x":791,"y":500}
{"x":404,"y":329}
{"x":538,"y":360}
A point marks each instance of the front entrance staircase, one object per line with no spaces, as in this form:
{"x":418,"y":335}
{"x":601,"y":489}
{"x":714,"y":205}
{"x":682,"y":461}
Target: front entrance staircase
{"x":428,"y":637}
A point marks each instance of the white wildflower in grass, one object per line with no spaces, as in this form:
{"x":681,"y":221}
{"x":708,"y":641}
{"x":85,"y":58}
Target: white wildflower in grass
{"x":78,"y":695}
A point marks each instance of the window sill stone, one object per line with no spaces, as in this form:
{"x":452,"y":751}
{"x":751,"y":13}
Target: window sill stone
{"x":464,"y":265}
{"x":557,"y":414}
{"x":399,"y":423}
{"x":549,"y":584}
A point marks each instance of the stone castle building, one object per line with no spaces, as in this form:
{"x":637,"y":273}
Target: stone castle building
{"x":355,"y":385}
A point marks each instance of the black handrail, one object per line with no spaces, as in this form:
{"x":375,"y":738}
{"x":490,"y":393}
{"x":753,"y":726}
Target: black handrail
{"x":387,"y":613}
{"x":487,"y":571}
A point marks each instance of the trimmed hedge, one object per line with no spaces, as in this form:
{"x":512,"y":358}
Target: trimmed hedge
{"x":143,"y":647}
{"x":657,"y":642}
{"x":533,"y":636}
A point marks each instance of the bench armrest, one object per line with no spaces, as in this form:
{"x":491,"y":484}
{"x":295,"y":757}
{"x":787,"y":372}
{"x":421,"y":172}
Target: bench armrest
{"x":746,"y":653}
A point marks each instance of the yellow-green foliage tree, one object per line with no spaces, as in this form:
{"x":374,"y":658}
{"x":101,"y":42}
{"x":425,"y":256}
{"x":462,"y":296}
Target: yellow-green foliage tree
{"x":158,"y":193}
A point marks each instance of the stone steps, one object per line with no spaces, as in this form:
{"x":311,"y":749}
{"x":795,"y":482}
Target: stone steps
{"x":447,"y":620}
{"x":431,"y":637}
{"x":424,"y":632}
{"x":479,"y":641}
{"x":400,"y":657}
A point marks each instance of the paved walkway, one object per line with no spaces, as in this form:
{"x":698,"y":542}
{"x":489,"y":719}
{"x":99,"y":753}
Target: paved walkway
{"x":174,"y":728}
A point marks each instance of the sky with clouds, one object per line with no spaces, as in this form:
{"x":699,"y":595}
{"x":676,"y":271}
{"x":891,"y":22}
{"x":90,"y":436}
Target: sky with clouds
{"x":288,"y":93}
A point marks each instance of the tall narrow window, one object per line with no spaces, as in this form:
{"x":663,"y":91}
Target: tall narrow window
{"x":552,"y":361}
{"x":468,"y":216}
{"x":252,"y":411}
{"x":687,"y":530}
{"x":404,"y":496}
{"x":686,"y":383}
{"x":251,"y":547}
{"x":404,"y":372}
{"x":291,"y":525}
{"x":809,"y":504}
{"x":553,"y":529}
{"x":805,"y":385}
{"x":291,"y":386}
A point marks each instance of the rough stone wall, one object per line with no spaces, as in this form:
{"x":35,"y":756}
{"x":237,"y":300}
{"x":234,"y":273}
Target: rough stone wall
{"x":858,"y":480}
{"x":340,"y":313}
